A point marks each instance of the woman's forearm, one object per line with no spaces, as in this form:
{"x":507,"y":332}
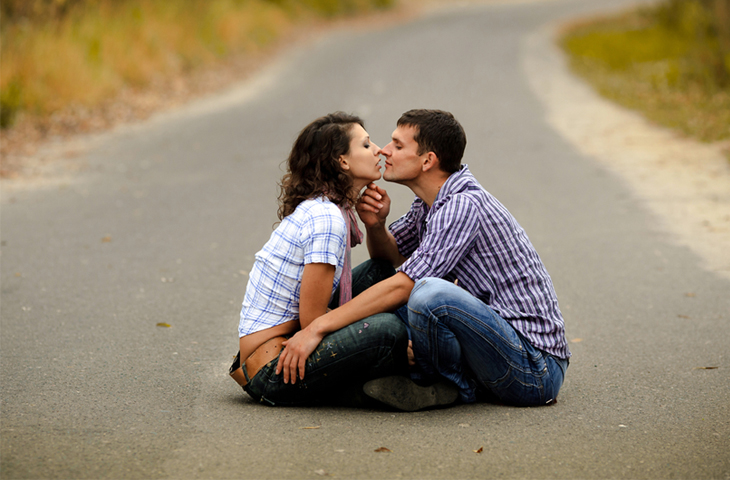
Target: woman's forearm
{"x":381,"y":297}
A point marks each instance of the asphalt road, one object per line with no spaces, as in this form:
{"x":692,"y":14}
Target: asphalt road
{"x":161,"y":226}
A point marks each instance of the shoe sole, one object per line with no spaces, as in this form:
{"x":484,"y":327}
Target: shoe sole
{"x":403,"y":394}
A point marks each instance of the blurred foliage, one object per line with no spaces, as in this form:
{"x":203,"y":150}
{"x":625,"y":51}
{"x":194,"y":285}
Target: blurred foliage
{"x":670,"y":60}
{"x":57,"y":53}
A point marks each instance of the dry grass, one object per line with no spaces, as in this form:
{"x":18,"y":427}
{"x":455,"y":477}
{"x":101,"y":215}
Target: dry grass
{"x":643,"y":63}
{"x":96,"y":49}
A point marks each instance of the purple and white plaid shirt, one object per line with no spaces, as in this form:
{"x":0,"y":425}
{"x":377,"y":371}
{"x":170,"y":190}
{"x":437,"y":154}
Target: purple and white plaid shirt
{"x":469,"y":236}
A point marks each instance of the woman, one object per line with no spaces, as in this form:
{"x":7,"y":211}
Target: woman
{"x":298,"y":271}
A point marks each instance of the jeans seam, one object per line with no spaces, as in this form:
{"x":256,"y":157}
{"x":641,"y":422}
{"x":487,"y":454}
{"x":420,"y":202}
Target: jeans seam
{"x":467,"y":316}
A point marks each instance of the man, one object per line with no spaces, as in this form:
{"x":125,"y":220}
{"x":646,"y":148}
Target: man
{"x":481,"y":307}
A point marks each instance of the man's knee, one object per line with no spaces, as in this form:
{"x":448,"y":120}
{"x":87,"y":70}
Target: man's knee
{"x":427,"y":293}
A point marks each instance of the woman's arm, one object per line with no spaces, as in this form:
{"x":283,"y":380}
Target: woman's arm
{"x":315,"y":292}
{"x":382,"y":297}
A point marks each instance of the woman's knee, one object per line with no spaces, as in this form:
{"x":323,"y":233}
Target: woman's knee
{"x":388,"y":326}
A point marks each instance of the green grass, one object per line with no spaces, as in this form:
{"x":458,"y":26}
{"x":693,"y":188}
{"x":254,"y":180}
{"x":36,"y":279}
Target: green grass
{"x":670,"y":68}
{"x":61,"y":53}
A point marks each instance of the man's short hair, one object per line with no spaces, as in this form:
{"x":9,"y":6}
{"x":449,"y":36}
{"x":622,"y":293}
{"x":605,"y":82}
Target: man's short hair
{"x":438,"y":132}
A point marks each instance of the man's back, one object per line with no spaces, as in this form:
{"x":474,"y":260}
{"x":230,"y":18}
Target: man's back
{"x":469,"y":237}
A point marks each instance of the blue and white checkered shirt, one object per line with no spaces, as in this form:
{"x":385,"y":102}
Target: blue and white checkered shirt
{"x":469,"y":236}
{"x":313,"y":233}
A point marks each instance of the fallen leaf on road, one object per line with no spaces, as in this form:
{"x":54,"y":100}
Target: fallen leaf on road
{"x":382,"y":449}
{"x":706,"y":368}
{"x":683,"y":316}
{"x":576,"y":340}
{"x":320,"y":472}
{"x":479,"y":450}
{"x":309,"y":428}
{"x":163,"y":324}
{"x":689,"y":294}
{"x":106,"y":239}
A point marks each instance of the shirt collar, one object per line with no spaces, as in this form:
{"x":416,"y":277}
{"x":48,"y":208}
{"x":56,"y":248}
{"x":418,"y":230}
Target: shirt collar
{"x":451,"y":184}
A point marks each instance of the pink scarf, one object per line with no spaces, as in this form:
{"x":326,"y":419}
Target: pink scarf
{"x":354,"y":238}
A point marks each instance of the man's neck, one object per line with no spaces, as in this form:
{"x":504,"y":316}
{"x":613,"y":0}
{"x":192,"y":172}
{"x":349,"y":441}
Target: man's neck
{"x":429,"y":186}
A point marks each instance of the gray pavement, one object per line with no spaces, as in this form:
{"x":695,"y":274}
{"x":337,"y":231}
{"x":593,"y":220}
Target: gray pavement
{"x":162,"y":225}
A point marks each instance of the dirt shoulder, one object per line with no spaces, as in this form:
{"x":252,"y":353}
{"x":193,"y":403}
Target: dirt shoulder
{"x":684,"y":182}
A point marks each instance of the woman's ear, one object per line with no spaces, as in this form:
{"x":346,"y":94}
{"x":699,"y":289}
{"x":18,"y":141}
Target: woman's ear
{"x":344,"y":162}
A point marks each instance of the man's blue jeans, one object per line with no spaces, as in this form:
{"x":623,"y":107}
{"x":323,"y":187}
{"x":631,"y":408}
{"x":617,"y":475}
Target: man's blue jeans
{"x":459,"y":337}
{"x":335,"y":372}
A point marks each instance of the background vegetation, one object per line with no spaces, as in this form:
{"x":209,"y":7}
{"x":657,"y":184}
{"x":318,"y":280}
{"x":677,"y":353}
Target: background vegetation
{"x":59,"y":53}
{"x":670,"y":61}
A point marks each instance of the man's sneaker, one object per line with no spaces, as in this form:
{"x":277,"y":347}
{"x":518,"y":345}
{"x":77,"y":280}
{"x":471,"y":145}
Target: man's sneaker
{"x":404,"y":394}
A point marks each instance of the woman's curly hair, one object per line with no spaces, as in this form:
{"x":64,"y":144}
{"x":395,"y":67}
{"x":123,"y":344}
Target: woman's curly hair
{"x":313,"y":167}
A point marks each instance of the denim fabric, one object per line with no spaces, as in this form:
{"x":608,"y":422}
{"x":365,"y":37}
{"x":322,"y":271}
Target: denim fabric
{"x":344,"y":360}
{"x":457,"y":336}
{"x":364,"y":276}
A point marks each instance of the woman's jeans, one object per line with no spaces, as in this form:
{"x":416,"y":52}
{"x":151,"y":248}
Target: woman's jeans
{"x":457,"y":336}
{"x":344,"y":360}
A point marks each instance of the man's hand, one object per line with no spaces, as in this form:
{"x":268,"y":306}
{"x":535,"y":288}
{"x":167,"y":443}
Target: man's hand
{"x":294,"y":356}
{"x":411,"y":357}
{"x":374,"y":206}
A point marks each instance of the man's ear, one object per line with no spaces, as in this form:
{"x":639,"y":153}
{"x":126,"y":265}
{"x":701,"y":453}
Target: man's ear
{"x":344,"y":162}
{"x":430,"y":162}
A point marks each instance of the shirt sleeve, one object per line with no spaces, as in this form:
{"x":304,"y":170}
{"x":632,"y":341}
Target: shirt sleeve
{"x":405,"y":231}
{"x":450,"y":234}
{"x":322,"y":236}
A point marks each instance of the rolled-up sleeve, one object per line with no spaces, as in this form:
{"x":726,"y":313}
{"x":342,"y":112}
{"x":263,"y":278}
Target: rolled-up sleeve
{"x":450,"y":234}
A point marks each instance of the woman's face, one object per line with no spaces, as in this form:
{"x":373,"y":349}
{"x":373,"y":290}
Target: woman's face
{"x":362,"y":161}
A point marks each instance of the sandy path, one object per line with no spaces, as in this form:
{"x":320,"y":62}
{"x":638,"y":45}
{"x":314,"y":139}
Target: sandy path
{"x":684,"y":182}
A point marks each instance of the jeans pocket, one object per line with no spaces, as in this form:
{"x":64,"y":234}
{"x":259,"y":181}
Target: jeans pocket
{"x":524,"y":385}
{"x":269,"y":388}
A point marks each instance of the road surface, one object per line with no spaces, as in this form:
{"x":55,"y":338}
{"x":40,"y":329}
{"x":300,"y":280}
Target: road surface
{"x":161,"y":225}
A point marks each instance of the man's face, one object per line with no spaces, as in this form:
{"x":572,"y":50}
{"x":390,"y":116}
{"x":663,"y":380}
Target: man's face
{"x":402,"y":161}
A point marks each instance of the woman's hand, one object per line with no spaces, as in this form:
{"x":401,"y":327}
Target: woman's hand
{"x":374,"y":206}
{"x":294,"y":356}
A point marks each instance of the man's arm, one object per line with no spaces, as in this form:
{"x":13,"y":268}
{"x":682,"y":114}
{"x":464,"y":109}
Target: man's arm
{"x":373,"y":209}
{"x":385,"y":296}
